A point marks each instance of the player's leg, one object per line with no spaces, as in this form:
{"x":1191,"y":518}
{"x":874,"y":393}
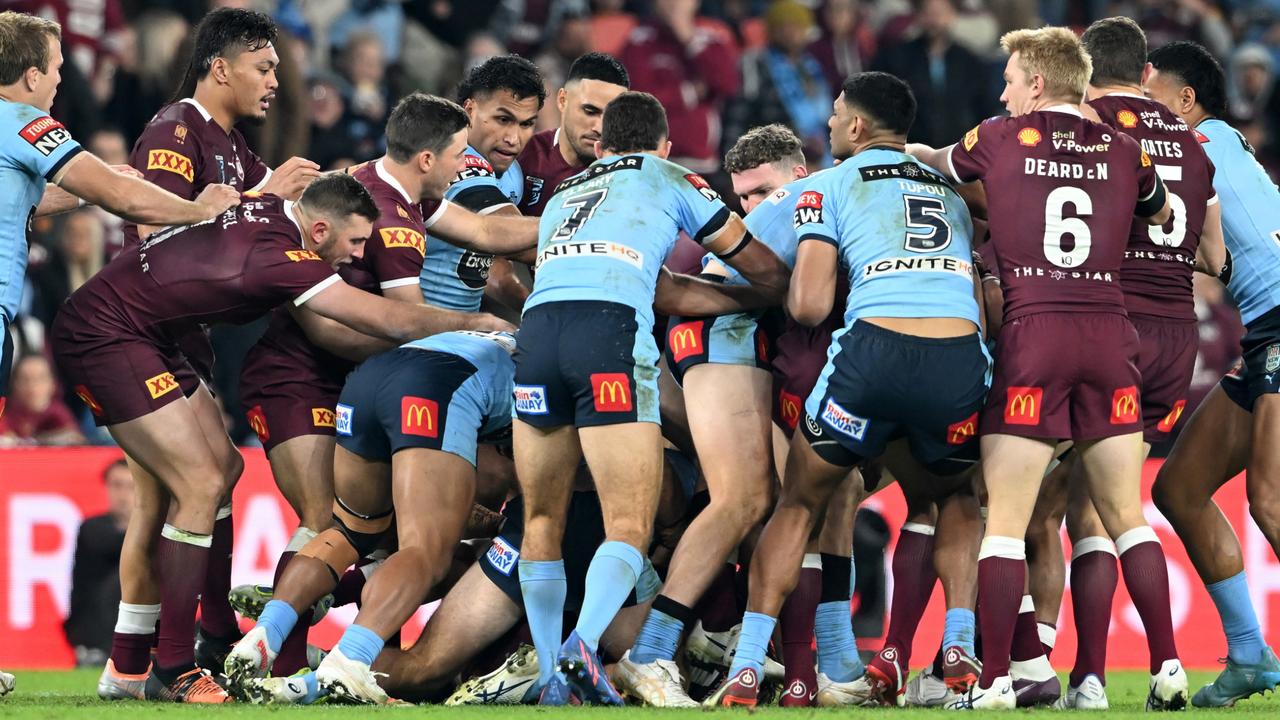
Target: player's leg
{"x":838,"y":661}
{"x":955,"y":558}
{"x":1094,"y":576}
{"x":1046,"y":573}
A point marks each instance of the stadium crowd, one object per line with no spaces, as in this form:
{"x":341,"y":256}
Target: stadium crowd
{"x":672,"y":201}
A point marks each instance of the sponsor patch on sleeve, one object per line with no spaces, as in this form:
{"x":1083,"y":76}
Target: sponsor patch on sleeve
{"x":502,"y":556}
{"x":971,"y":138}
{"x":1146,"y":159}
{"x":403,"y":237}
{"x":301,"y":255}
{"x":703,"y":187}
{"x":808,"y":209}
{"x":173,"y":162}
{"x":475,"y":166}
{"x":45,"y":134}
{"x":530,"y":399}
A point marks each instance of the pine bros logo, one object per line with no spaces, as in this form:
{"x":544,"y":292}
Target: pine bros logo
{"x":685,"y":340}
{"x":1124,"y":406}
{"x":844,"y":421}
{"x":403,"y":237}
{"x":419,"y":416}
{"x":808,"y":208}
{"x":611,"y":392}
{"x":530,"y":399}
{"x":45,"y":135}
{"x":173,"y":162}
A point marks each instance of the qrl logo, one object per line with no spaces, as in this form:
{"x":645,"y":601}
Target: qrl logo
{"x":1022,"y":405}
{"x":418,"y":416}
{"x":808,"y":208}
{"x":1124,"y":406}
{"x":611,"y":392}
{"x":963,"y":431}
{"x":161,"y":384}
{"x":1171,"y":420}
{"x":258,"y":423}
{"x":685,"y":340}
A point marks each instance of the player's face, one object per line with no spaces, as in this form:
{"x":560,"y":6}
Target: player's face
{"x":501,"y":125}
{"x":252,"y":79}
{"x":754,"y":185}
{"x":47,"y":82}
{"x":582,"y":104}
{"x":1165,"y":89}
{"x":338,"y":242}
{"x":1018,"y":92}
{"x":841,"y":119}
{"x":446,"y":167}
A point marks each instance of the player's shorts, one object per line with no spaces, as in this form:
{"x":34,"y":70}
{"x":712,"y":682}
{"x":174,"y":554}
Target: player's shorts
{"x":1166,"y":360}
{"x":882,"y":385}
{"x":281,"y":406}
{"x":6,"y":361}
{"x":583,"y":533}
{"x":1257,"y":375}
{"x":197,"y":348}
{"x":1065,"y":376}
{"x":120,"y":378}
{"x":736,"y":339}
{"x":411,"y":398}
{"x":585,"y":363}
{"x":799,"y":355}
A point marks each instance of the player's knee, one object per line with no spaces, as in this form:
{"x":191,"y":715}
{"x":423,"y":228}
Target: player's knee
{"x":741,"y":512}
{"x":1264,"y":507}
{"x":1169,"y":497}
{"x":233,"y":468}
{"x":636,"y":532}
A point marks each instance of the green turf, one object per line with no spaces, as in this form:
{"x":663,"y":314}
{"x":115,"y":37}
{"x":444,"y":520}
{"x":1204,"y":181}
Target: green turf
{"x":43,"y":695}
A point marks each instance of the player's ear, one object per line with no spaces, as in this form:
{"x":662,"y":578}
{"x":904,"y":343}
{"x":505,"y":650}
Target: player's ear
{"x":599,"y":149}
{"x":562,"y":100}
{"x":1146,"y":73}
{"x":321,"y":228}
{"x":32,"y":78}
{"x":664,"y":149}
{"x":218,"y":69}
{"x":1186,"y":99}
{"x":426,"y":160}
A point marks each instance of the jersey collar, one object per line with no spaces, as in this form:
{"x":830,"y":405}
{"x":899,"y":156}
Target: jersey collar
{"x":288,"y":211}
{"x":1126,"y":95}
{"x":389,"y":179}
{"x":1065,"y":108}
{"x":199,"y":108}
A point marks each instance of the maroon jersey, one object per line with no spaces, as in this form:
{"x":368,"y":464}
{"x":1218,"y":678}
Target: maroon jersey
{"x":1062,"y":192}
{"x":544,"y":168}
{"x":392,"y":257}
{"x":1156,"y":274}
{"x":170,"y":285}
{"x":183,"y":150}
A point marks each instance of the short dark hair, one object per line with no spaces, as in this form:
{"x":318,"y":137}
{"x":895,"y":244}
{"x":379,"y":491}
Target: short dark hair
{"x":1118,"y":48}
{"x":599,"y":66}
{"x":337,"y":195}
{"x":24,"y":44}
{"x":504,"y":72}
{"x":422,"y":122}
{"x":884,"y":98}
{"x":764,"y":145}
{"x":221,"y":33}
{"x":633,"y":122}
{"x":1196,"y":67}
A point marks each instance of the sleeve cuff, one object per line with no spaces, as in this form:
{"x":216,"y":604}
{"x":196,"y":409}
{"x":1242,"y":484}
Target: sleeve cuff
{"x":262,"y":183}
{"x":1213,"y":200}
{"x":400,"y":282}
{"x":435,"y":216}
{"x":55,"y":172}
{"x":316,"y":289}
{"x":820,"y":238}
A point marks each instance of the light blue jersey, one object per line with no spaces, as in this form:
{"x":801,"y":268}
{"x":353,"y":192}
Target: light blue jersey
{"x":33,"y":149}
{"x":490,"y":388}
{"x":1250,"y":218}
{"x":771,"y":223}
{"x":902,"y":233}
{"x":454,"y":278}
{"x":606,"y":231}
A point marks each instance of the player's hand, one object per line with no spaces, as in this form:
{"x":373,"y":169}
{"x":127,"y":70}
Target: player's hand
{"x":490,"y":323}
{"x":129,"y":170}
{"x":291,"y":178}
{"x":216,"y":198}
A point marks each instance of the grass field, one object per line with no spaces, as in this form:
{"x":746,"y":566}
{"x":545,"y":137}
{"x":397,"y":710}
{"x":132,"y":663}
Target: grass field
{"x":71,"y":695}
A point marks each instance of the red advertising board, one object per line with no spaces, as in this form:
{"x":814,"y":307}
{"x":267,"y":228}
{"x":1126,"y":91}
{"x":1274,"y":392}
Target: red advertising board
{"x":46,"y":493}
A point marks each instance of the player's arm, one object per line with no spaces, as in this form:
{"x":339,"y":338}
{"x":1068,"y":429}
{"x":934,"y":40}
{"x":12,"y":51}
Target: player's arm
{"x":689,"y":296}
{"x":338,"y":338}
{"x":137,"y":200}
{"x":56,"y":200}
{"x":759,"y":264}
{"x":390,"y":319}
{"x":813,"y":287}
{"x":503,"y":285}
{"x":497,"y":233}
{"x":1211,"y":255}
{"x":1153,"y":198}
{"x":935,"y":158}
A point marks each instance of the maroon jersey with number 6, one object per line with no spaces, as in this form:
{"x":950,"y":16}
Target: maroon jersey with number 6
{"x":1062,"y":192}
{"x":1156,"y":274}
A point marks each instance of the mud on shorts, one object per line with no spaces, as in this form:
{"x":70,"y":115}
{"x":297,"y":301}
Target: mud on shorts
{"x":881,"y":385}
{"x":411,"y":398}
{"x":1259,"y":372}
{"x":585,"y":363}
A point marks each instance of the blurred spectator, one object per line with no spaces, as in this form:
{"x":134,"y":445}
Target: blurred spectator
{"x":1167,"y":20}
{"x":95,"y":576}
{"x":453,"y":23}
{"x":77,"y":254}
{"x":847,"y":43}
{"x":572,"y":39}
{"x":1220,"y":333}
{"x":1253,"y":82}
{"x":481,"y":47}
{"x":150,"y":62}
{"x":783,"y":83}
{"x":91,"y":36}
{"x":948,"y":79}
{"x":384,"y":19}
{"x":692,"y":69}
{"x":109,"y":144}
{"x":541,"y":22}
{"x":34,"y":415}
{"x":364,"y":66}
{"x":333,"y":136}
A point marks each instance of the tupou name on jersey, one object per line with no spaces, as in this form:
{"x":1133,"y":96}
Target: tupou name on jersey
{"x":596,"y":248}
{"x":1055,"y":169}
{"x":889,"y":266}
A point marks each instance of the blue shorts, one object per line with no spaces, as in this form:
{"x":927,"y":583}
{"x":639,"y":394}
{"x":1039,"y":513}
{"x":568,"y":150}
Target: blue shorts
{"x":585,"y":363}
{"x":736,"y":339}
{"x":879,"y":385}
{"x":1257,"y":374}
{"x":411,"y":398}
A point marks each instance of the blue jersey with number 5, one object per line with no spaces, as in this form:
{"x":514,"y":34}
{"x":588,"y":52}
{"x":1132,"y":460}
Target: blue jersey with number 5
{"x":606,"y":231}
{"x":901,"y":231}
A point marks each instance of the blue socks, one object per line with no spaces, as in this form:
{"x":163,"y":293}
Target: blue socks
{"x":837,"y":648}
{"x":959,"y":629}
{"x":360,"y":643}
{"x":611,"y":577}
{"x":543,"y":587}
{"x":660,"y":635}
{"x":757,"y":630}
{"x":277,"y":619}
{"x":1239,"y":621}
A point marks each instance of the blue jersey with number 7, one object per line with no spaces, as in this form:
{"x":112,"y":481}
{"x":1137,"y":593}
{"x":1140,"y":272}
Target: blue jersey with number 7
{"x":901,"y":231}
{"x":606,"y":231}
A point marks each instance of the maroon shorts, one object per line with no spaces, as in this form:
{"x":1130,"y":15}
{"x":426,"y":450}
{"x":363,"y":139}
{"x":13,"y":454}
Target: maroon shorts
{"x":1166,"y":360}
{"x":1065,"y":376}
{"x":799,"y":354}
{"x":286,"y":396}
{"x":197,"y":348}
{"x":119,"y":378}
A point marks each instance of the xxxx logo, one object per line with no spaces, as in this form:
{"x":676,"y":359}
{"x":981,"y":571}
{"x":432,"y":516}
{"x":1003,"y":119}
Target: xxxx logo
{"x":161,"y":384}
{"x":322,"y":417}
{"x":394,"y":237}
{"x":173,"y":162}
